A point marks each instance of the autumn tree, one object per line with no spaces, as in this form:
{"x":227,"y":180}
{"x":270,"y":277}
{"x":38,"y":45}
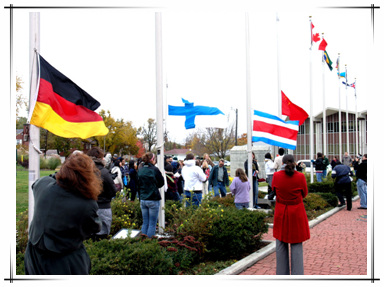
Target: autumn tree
{"x":243,"y":139}
{"x":21,"y":103}
{"x":148,"y":133}
{"x":196,"y":141}
{"x":121,"y":138}
{"x":219,"y":141}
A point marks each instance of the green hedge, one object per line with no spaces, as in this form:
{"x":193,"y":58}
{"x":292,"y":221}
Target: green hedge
{"x":328,"y":187}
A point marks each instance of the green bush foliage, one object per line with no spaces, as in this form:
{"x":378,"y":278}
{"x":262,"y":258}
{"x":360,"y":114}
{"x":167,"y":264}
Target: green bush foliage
{"x":224,"y":232}
{"x":235,"y":232}
{"x":142,"y":256}
{"x":330,"y":198}
{"x":191,"y":221}
{"x":50,"y":163}
{"x":321,"y":187}
{"x":125,"y":214}
{"x":22,"y":232}
{"x":314,"y":201}
{"x":128,"y":257}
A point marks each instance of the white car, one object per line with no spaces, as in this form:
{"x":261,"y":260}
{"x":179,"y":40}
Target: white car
{"x":307,"y":163}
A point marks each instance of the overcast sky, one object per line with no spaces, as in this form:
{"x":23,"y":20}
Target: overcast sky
{"x":110,"y":53}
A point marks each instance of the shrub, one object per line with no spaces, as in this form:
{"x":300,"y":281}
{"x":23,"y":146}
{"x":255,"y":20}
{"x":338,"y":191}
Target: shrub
{"x":191,"y":221}
{"x":22,"y":232}
{"x":235,"y":232}
{"x":330,"y":198}
{"x":321,"y":187}
{"x":128,"y":257}
{"x":20,"y":264}
{"x":125,"y":214}
{"x":142,"y":256}
{"x":53,"y":163}
{"x":314,"y":201}
{"x":222,"y":201}
{"x":24,"y":162}
{"x":328,"y":187}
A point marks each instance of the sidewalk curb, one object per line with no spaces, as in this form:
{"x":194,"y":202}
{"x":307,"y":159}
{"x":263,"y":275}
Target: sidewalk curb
{"x":250,"y":260}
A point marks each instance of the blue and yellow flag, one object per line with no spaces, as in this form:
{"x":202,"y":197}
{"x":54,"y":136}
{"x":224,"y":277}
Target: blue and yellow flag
{"x":328,"y":60}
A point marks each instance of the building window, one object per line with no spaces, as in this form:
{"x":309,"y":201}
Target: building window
{"x":336,"y":127}
{"x":330,"y":128}
{"x":301,"y":129}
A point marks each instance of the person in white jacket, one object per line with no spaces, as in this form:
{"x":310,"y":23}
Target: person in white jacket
{"x":194,"y":177}
{"x":118,"y":180}
{"x":269,"y":171}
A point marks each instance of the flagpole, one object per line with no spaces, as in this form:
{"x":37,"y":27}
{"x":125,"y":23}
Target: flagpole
{"x":346,"y":107}
{"x":249,"y":108}
{"x":34,"y":132}
{"x":159,"y":114}
{"x":340,"y":131}
{"x":310,"y":104}
{"x":356,"y":133}
{"x":324,"y":116}
{"x":279,"y":110}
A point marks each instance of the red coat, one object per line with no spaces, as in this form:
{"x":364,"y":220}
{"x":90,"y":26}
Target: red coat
{"x":290,"y":223}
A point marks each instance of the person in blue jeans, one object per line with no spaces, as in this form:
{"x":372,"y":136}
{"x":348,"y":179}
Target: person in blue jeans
{"x":150,"y":180}
{"x":194,"y":177}
{"x":218,"y":178}
{"x":361,"y":175}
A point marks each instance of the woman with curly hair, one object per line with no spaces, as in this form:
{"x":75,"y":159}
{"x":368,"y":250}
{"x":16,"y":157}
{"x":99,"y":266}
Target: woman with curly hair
{"x":65,"y":214}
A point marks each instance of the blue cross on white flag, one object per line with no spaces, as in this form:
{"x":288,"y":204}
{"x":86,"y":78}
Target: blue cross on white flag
{"x":199,"y":115}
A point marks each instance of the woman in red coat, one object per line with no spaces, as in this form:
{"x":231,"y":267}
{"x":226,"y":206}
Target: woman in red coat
{"x":290,"y":223}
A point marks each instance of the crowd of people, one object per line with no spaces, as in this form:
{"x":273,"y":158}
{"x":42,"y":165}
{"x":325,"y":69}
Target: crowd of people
{"x":86,"y":184}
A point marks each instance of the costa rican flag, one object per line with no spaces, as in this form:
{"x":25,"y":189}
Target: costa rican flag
{"x":272,"y":130}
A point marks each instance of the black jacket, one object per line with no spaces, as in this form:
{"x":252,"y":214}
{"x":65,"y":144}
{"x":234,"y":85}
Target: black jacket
{"x":62,"y":220}
{"x":254,"y":168}
{"x":109,"y":189}
{"x":361,"y":172}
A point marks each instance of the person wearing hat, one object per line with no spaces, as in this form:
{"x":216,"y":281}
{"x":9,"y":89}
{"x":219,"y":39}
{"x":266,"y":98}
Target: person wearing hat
{"x":290,"y":225}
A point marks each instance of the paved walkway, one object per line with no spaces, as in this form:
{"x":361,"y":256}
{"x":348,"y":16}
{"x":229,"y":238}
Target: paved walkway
{"x":338,"y":246}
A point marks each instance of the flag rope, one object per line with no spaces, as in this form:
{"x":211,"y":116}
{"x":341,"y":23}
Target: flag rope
{"x":34,"y":98}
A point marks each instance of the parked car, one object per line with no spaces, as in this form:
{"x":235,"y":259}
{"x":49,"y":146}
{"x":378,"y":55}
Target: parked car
{"x":227,"y":163}
{"x":307,"y":163}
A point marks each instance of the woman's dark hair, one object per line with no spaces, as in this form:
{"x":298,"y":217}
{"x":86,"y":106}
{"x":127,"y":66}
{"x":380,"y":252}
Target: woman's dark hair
{"x":96,"y":152}
{"x":80,"y":174}
{"x":268,"y":155}
{"x":240,"y":173}
{"x":190,"y":156}
{"x":131,"y":164}
{"x":289,"y":162}
{"x":117,"y":163}
{"x":147,"y":157}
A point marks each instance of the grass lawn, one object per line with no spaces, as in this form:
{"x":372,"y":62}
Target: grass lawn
{"x":22,"y":187}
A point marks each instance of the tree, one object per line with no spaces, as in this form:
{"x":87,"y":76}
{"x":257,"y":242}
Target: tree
{"x":122,"y":136}
{"x":141,"y":151}
{"x":196,"y":142}
{"x":243,"y":139}
{"x":21,"y":102}
{"x":219,"y":141}
{"x":20,"y":121}
{"x":149,"y":133}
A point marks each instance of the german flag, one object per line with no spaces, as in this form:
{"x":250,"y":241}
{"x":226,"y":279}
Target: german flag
{"x":64,"y":108}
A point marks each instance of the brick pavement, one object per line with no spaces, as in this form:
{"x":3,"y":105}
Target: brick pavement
{"x":338,"y":246}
